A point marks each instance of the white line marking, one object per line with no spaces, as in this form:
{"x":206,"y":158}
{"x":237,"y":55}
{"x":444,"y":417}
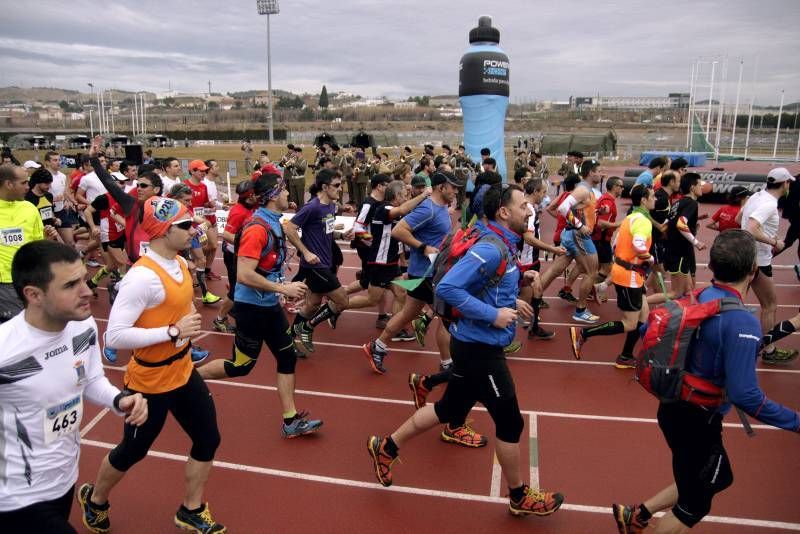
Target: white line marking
{"x":426,"y":492}
{"x":561,"y":415}
{"x":497,"y":477}
{"x":91,"y":424}
{"x":534,"y":454}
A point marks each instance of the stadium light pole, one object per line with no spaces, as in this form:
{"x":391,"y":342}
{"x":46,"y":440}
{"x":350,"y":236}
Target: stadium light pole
{"x":91,"y":125}
{"x":268,"y":7}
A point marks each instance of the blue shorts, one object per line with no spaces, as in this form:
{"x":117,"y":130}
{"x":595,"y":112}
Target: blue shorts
{"x":196,"y":242}
{"x":577,"y":244}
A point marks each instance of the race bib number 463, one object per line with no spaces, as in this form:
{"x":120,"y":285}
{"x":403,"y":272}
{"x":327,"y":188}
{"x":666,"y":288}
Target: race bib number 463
{"x":62,"y":419}
{"x":12,"y":236}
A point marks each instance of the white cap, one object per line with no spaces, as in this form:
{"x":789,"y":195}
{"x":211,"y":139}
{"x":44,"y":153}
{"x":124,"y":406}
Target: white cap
{"x":119,"y":176}
{"x":31,"y":165}
{"x":779,"y":175}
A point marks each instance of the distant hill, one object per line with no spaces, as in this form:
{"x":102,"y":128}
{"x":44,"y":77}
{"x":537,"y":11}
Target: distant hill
{"x":29,"y":95}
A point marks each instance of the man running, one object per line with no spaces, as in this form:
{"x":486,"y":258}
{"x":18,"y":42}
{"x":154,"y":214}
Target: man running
{"x":261,"y":258}
{"x":759,"y":216}
{"x":603,"y":233}
{"x":317,"y":220}
{"x":154,"y":316}
{"x":49,"y":364}
{"x":681,"y":240}
{"x":725,"y":353}
{"x":480,"y":372}
{"x":631,"y":261}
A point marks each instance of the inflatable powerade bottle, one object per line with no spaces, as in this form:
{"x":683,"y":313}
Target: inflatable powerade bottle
{"x":483,"y":89}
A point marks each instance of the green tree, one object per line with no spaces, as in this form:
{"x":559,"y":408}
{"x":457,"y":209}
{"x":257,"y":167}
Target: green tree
{"x":64,"y":105}
{"x":323,"y":98}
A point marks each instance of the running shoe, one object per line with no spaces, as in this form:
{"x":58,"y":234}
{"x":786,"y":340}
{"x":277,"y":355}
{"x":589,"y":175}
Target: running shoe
{"x":563,"y":294}
{"x":464,"y":436}
{"x":779,"y":356}
{"x":627,"y":519}
{"x":200,"y":522}
{"x":375,"y":357}
{"x":601,"y":291}
{"x":211,"y":275}
{"x":585,"y":316}
{"x":210,"y":298}
{"x":536,"y":502}
{"x":95,"y":518}
{"x":403,"y":335}
{"x":576,"y":336}
{"x":222,"y":325}
{"x":540,"y":333}
{"x":420,"y":325}
{"x":300,"y":427}
{"x":420,"y":392}
{"x":110,"y":354}
{"x":199,"y":354}
{"x":512,"y":347}
{"x":445,"y":366}
{"x":544,"y":305}
{"x":797,"y":271}
{"x":305,"y":336}
{"x":381,"y":460}
{"x":382,"y":321}
{"x":625,"y":362}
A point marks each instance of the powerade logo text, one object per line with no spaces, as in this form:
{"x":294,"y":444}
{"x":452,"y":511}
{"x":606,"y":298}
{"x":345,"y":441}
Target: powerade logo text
{"x":493,"y":67}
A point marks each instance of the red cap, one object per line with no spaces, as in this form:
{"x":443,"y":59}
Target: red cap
{"x":197,"y":165}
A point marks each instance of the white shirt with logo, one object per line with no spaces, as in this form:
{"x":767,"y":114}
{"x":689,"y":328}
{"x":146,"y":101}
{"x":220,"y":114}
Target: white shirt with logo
{"x":58,"y":190}
{"x":45,"y":379}
{"x":93,"y":186}
{"x":763,"y":207}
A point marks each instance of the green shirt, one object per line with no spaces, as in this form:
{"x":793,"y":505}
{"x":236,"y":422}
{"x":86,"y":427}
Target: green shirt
{"x":20,"y":223}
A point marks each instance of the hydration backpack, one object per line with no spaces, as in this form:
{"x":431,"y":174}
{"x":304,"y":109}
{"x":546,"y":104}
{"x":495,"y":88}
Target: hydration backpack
{"x":455,"y":245}
{"x":661,"y":363}
{"x":272,"y":255}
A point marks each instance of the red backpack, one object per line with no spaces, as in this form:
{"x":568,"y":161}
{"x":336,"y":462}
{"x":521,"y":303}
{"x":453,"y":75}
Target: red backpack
{"x":454,"y":247}
{"x":661,"y":363}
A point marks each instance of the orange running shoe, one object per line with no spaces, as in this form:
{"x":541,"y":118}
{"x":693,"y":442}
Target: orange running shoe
{"x":627,"y":519}
{"x":464,"y":435}
{"x":536,"y":502}
{"x":418,"y":389}
{"x":381,"y":460}
{"x":577,"y":339}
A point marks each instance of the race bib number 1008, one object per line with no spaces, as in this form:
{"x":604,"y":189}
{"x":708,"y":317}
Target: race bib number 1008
{"x":12,"y":236}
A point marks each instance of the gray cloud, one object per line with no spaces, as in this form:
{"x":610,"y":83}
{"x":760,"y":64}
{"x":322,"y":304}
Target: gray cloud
{"x":557,"y":49}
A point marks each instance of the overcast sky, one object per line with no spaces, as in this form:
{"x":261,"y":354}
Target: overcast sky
{"x":556,"y":48}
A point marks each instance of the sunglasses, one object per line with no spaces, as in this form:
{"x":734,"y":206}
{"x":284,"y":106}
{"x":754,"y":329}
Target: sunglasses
{"x":183,"y":225}
{"x":336,"y":185}
{"x":141,"y":185}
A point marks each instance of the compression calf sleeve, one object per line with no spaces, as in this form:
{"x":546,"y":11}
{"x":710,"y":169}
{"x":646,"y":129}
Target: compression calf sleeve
{"x":777,"y":333}
{"x":325,"y":312}
{"x":630,"y":341}
{"x":606,"y":329}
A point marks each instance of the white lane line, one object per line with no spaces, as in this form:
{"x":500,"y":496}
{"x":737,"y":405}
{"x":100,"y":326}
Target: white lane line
{"x":533,"y":436}
{"x":529,"y":359}
{"x":497,"y":477}
{"x":383,"y":400}
{"x":427,"y":492}
{"x":96,"y":419}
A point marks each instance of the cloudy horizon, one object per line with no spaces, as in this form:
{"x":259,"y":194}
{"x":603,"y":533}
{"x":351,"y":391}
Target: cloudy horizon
{"x":572,"y":48}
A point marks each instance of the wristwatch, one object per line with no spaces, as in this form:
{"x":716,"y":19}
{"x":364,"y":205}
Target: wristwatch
{"x":173,"y":332}
{"x":422,"y":247}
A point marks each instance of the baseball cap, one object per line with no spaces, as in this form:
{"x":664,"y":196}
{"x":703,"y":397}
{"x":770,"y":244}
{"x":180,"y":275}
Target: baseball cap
{"x":119,"y":176}
{"x":778,"y":175}
{"x":440,"y":177}
{"x":31,"y":165}
{"x":740,"y":191}
{"x":160,"y":213}
{"x":418,"y":181}
{"x":197,"y":165}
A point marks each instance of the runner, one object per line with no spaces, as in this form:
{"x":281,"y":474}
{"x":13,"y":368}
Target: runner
{"x":203,"y":208}
{"x":154,"y":316}
{"x":480,"y":372}
{"x":724,"y":352}
{"x":725,"y":217}
{"x":317,"y":219}
{"x":759,"y":216}
{"x":670,"y":183}
{"x":631,"y":261}
{"x":607,"y":224}
{"x":259,"y":316}
{"x":681,"y":240}
{"x":50,"y":362}
{"x":423,"y":231}
{"x":238,"y":216}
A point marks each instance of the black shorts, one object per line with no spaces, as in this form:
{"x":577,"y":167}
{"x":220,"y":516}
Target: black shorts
{"x":766,"y":270}
{"x":680,"y":263}
{"x":47,"y":516}
{"x":629,"y":299}
{"x":380,"y":275}
{"x":480,"y":374}
{"x":258,"y":325}
{"x":117,"y":243}
{"x":424,"y":291}
{"x":604,"y":253}
{"x":320,"y":281}
{"x":700,"y":464}
{"x":658,"y":250}
{"x":68,"y":218}
{"x":229,"y":259}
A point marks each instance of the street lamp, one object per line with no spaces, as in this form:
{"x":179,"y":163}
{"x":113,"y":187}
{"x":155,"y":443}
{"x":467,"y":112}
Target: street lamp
{"x":91,"y":125}
{"x":268,"y":7}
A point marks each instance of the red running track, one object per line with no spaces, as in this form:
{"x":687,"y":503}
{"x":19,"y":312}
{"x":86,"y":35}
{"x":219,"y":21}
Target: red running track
{"x":590,"y":433}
